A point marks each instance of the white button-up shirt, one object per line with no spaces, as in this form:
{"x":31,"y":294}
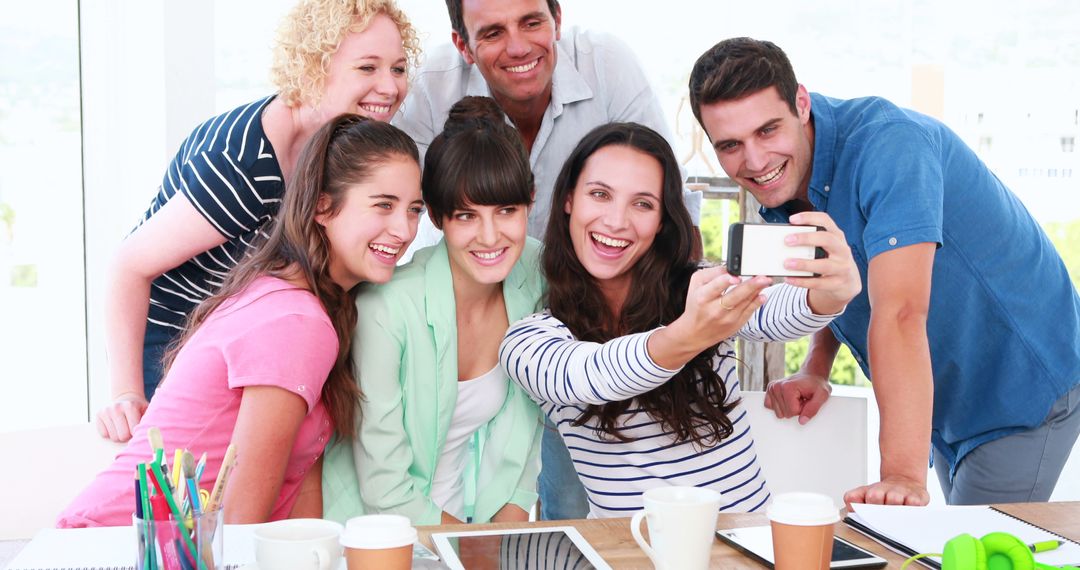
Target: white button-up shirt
{"x":597,"y":80}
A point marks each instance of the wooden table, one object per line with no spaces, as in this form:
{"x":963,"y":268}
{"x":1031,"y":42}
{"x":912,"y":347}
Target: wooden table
{"x":612,"y":539}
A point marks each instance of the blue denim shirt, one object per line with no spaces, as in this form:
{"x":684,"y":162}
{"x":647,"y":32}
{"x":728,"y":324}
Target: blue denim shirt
{"x":1004,"y":322}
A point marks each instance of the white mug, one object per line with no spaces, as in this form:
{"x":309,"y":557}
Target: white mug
{"x":298,"y":544}
{"x":682,"y":521}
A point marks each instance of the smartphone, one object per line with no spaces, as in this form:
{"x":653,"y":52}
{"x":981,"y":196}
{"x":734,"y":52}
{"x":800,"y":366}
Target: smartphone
{"x":756,"y":542}
{"x":759,"y":249}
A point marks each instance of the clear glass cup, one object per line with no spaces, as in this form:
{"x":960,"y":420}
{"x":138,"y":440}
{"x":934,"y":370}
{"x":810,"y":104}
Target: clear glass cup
{"x":168,"y":544}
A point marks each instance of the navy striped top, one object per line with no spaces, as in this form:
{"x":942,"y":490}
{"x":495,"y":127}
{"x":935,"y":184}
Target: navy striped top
{"x":228,"y":170}
{"x":564,"y":375}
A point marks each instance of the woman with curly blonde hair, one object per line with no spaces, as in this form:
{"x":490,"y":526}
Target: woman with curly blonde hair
{"x":227,"y":180}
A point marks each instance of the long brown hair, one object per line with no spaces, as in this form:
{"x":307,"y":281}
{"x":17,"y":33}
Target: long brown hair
{"x":691,"y":404}
{"x":342,"y":153}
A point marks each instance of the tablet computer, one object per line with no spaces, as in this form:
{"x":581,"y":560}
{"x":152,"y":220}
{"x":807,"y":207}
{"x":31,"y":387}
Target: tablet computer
{"x":756,"y":542}
{"x":534,"y":548}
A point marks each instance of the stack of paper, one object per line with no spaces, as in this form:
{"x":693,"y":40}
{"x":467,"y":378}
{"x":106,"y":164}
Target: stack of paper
{"x":915,"y":530}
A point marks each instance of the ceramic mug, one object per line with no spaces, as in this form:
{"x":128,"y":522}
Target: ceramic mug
{"x":681,"y":522}
{"x":298,"y":544}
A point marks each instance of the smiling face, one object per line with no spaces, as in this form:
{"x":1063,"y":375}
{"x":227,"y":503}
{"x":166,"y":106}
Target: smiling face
{"x":762,"y":145}
{"x":615,"y":212}
{"x":367,"y":74}
{"x":375,"y":224}
{"x":512,"y":43}
{"x":484,"y":242}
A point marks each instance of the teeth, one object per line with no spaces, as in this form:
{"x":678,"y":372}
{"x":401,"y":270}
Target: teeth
{"x":523,"y":68}
{"x":611,"y":242}
{"x":771,"y":175}
{"x":384,"y":248}
{"x":489,"y":255}
{"x":380,"y":109}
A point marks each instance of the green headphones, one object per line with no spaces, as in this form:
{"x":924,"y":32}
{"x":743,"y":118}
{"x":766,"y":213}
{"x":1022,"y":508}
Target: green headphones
{"x":995,"y":551}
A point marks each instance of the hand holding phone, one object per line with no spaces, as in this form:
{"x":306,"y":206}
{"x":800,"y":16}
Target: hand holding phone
{"x":762,"y":249}
{"x":838,"y":280}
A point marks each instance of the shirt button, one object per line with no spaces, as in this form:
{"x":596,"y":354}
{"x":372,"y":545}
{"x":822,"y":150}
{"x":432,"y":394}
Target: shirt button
{"x":826,"y":187}
{"x":892,"y":241}
{"x":301,"y":388}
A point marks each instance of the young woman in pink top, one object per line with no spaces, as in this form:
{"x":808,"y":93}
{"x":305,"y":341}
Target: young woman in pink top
{"x":264,"y":363}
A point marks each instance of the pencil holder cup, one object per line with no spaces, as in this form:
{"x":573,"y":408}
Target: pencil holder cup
{"x":169,"y":544}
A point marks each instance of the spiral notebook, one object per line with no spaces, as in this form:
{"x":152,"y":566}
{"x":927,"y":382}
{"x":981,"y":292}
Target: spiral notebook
{"x":914,"y":530}
{"x":113,"y":548}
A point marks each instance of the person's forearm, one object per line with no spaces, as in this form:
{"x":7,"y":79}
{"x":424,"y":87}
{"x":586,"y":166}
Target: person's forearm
{"x":448,"y":518}
{"x":821,"y":353}
{"x":510,"y":513}
{"x":127,"y":301}
{"x":671,"y":348}
{"x":904,"y":389}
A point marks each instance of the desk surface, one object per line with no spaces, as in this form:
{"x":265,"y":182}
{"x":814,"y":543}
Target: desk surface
{"x":612,"y":540}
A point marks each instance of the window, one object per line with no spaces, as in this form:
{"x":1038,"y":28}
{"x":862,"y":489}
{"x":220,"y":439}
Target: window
{"x":42,"y":282}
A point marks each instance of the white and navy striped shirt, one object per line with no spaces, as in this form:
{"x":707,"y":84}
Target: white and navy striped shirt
{"x":228,"y":170}
{"x":564,"y":375}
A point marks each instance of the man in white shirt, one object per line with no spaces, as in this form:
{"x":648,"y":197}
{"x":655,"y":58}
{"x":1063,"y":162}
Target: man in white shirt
{"x":555,"y":87}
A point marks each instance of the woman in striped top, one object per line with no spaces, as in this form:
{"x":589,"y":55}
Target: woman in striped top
{"x":226,"y":183}
{"x":634,"y":359}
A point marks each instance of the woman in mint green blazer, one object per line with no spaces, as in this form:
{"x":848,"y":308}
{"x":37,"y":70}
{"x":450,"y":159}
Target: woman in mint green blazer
{"x":443,"y":435}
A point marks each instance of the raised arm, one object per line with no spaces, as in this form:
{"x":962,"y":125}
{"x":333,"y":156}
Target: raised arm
{"x":170,"y":237}
{"x":541,"y":355}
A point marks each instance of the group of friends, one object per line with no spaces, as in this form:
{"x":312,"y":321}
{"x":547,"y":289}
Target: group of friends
{"x":563,"y":340}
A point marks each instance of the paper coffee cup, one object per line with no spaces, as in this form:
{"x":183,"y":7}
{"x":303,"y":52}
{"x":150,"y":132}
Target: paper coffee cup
{"x":802,"y":530}
{"x":377,"y":542}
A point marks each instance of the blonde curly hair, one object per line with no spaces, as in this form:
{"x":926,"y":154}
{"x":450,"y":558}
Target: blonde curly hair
{"x":310,"y":34}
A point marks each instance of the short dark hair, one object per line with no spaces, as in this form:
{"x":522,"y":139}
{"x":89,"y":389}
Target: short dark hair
{"x":457,"y":16}
{"x":737,"y":67}
{"x":478,"y":158}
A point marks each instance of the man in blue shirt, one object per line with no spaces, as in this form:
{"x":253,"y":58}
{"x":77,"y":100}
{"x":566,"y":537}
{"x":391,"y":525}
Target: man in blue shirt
{"x":968,"y":324}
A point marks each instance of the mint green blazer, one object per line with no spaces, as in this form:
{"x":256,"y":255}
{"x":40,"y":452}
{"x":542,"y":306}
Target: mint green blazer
{"x":405,"y":352}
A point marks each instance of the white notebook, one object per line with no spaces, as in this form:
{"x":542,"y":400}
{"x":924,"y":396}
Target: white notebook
{"x":113,"y":548}
{"x":914,"y":530}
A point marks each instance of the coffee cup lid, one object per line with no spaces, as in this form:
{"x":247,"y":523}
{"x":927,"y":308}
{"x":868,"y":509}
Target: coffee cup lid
{"x":803,"y":509}
{"x":378,"y":531}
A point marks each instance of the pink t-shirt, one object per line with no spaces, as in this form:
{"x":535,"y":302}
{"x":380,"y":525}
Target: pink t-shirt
{"x":270,"y":334}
